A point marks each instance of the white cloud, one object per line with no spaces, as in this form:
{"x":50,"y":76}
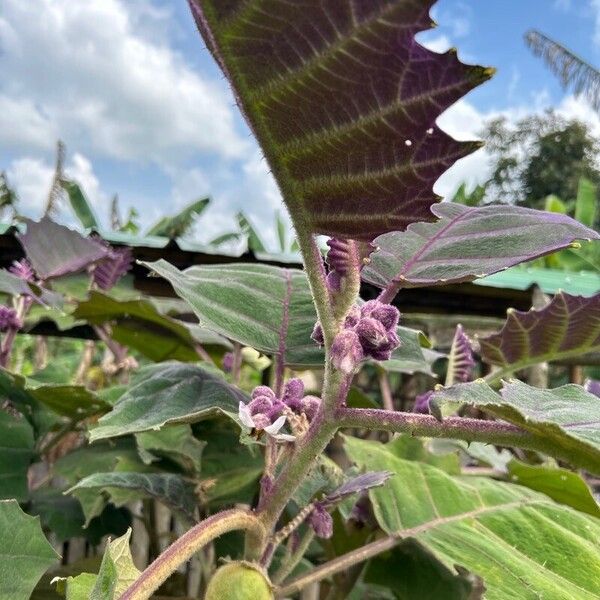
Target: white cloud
{"x":91,"y":72}
{"x":440,"y":43}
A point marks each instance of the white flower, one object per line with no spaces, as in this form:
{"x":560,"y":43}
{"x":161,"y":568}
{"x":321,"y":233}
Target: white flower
{"x":272,"y":430}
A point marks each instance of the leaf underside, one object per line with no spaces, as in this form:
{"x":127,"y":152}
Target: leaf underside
{"x":567,"y":326}
{"x":523,"y":544}
{"x":467,"y":243}
{"x":568,"y":417}
{"x":343,"y":101}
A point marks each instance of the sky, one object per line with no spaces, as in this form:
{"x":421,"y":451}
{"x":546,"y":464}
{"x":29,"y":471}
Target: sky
{"x":145,"y":113}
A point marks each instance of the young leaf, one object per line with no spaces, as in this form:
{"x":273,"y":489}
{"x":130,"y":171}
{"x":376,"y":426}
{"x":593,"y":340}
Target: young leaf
{"x":521,"y":542}
{"x":55,"y":250}
{"x":567,"y":326}
{"x":177,"y":225}
{"x":567,"y":416}
{"x":467,"y":243}
{"x":255,"y":243}
{"x":227,"y":298}
{"x":80,"y":205}
{"x":344,"y":102}
{"x":172,"y":490}
{"x":25,"y":554}
{"x":165,"y":393}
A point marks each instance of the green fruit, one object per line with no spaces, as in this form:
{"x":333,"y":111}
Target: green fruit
{"x":238,"y":581}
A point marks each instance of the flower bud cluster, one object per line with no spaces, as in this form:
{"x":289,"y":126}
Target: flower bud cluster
{"x":266,"y":412}
{"x":343,"y":256}
{"x":369,"y":332}
{"x":9,"y":319}
{"x":321,"y":521}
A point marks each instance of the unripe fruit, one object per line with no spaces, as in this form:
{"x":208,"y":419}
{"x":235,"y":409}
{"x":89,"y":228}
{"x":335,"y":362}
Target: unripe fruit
{"x":238,"y":581}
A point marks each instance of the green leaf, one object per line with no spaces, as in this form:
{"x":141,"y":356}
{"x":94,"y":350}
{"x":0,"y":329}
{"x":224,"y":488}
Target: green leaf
{"x":343,"y":101}
{"x":226,"y":299}
{"x":567,"y":326}
{"x":410,"y":357}
{"x":563,"y":486}
{"x":281,"y":233}
{"x":567,"y":417}
{"x":177,"y":225}
{"x":15,"y":286}
{"x":138,"y":324}
{"x":467,"y":243}
{"x":73,"y":401}
{"x":169,"y":393}
{"x":25,"y":554}
{"x":585,"y":205}
{"x":411,"y":448}
{"x":16,"y":453}
{"x":413,"y":572}
{"x":255,"y":243}
{"x":176,"y":442}
{"x":80,"y":205}
{"x":520,"y":542}
{"x":55,"y":250}
{"x":172,"y":490}
{"x":555,"y":204}
{"x":76,"y":588}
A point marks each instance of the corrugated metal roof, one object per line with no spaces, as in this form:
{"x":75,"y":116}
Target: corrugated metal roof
{"x":550,"y":281}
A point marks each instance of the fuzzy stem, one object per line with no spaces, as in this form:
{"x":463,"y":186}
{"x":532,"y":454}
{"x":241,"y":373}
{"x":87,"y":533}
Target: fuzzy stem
{"x":337,"y":565}
{"x":289,"y":562}
{"x":458,"y":428}
{"x":389,"y":293}
{"x":186,"y":546}
{"x":386,"y":390}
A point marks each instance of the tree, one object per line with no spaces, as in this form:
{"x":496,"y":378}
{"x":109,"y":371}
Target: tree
{"x":538,"y":156}
{"x":572,"y":70}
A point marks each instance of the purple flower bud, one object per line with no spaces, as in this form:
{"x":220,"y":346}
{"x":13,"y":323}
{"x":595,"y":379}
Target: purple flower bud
{"x":276,"y":409}
{"x":293,"y":392}
{"x":317,"y":334}
{"x":227,"y":363}
{"x":260,"y":404}
{"x":261,"y":421}
{"x":22,"y":269}
{"x":592,"y":386}
{"x":386,"y":314}
{"x":111,"y":268}
{"x":321,"y":522}
{"x":9,"y":319}
{"x":372,"y":334}
{"x":311,"y":406}
{"x":263,"y":390}
{"x":333,"y":281}
{"x":346,"y":351}
{"x":421,"y":404}
{"x":353,"y":317}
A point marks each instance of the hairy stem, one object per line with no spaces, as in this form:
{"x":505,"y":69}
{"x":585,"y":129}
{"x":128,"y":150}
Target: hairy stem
{"x":186,"y":546}
{"x":458,"y":428}
{"x":389,"y":293}
{"x":294,"y":557}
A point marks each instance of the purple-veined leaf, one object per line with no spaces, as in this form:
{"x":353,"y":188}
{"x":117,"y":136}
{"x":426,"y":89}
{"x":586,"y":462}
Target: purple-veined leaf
{"x":467,"y":243}
{"x":54,"y":250}
{"x":568,"y":326}
{"x":344,"y":102}
{"x":568,"y":417}
{"x":357,"y":484}
{"x":460,"y":360}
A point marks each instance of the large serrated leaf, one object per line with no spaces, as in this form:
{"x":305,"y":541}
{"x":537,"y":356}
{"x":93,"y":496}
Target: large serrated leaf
{"x":166,"y":393}
{"x":344,"y":102}
{"x":568,"y":417}
{"x":566,"y":327}
{"x":55,"y":250}
{"x":24,"y":552}
{"x":466,"y":243}
{"x":523,"y":544}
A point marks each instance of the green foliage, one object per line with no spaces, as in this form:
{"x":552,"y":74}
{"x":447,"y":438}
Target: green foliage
{"x":25,"y":554}
{"x":16,"y":453}
{"x":178,"y":225}
{"x":540,"y":155}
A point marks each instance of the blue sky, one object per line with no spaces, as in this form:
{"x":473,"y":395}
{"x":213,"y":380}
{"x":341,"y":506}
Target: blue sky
{"x":146,"y":114}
